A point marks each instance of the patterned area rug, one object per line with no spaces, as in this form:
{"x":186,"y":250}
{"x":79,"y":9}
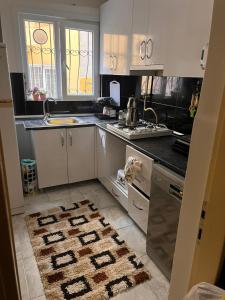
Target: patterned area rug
{"x":80,"y":256}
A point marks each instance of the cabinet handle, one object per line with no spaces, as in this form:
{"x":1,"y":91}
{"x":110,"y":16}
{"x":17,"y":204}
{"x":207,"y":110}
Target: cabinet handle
{"x":115,"y":194}
{"x":116,"y":62}
{"x":102,"y":137}
{"x":139,"y":208}
{"x":149,"y":54}
{"x":203,"y":58}
{"x":62,"y":139}
{"x":71,"y":139}
{"x":111,"y":62}
{"x":143,"y":43}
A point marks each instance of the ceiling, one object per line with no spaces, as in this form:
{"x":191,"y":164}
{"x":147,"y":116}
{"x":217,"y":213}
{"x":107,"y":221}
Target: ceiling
{"x":90,"y":3}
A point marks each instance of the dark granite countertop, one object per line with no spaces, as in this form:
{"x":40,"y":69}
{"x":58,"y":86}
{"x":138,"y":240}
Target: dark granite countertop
{"x":39,"y":124}
{"x":160,"y":148}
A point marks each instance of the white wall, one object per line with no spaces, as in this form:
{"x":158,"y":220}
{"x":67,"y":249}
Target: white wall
{"x":10,"y":9}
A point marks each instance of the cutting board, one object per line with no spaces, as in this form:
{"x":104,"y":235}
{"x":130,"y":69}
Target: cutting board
{"x":115,"y":91}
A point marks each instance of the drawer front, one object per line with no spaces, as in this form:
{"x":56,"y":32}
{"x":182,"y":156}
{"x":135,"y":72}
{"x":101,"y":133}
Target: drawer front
{"x":115,"y":191}
{"x":143,"y":178}
{"x":138,"y":207}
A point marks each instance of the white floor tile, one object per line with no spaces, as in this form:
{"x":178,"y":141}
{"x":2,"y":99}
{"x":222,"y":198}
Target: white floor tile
{"x":135,"y":239}
{"x":116,"y":216}
{"x":22,"y":279}
{"x":140,"y":292}
{"x":33,"y":278}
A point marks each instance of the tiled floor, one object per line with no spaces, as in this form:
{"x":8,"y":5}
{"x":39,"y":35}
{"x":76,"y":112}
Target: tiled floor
{"x":31,"y":286}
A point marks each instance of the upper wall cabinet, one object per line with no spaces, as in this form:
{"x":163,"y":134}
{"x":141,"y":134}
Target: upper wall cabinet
{"x":188,"y":37}
{"x":115,"y":37}
{"x":149,"y":34}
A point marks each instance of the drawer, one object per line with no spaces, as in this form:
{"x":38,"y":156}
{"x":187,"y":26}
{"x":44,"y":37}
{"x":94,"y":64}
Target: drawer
{"x":117,"y":192}
{"x":143,"y":178}
{"x":138,"y":207}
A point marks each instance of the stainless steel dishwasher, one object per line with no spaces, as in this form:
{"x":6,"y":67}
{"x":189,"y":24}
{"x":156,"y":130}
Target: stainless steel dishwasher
{"x":164,"y":210}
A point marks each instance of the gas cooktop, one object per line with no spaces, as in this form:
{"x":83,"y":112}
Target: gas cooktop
{"x":143,"y":130}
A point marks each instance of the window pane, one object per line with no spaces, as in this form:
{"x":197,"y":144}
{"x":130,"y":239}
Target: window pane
{"x":79,"y":62}
{"x":40,"y":41}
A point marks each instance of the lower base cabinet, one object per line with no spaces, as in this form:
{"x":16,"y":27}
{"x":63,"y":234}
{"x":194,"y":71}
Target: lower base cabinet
{"x":138,"y":207}
{"x":119,"y":193}
{"x":64,"y":155}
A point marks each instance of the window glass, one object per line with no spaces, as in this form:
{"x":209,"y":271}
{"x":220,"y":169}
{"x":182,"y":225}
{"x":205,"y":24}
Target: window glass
{"x":79,"y":62}
{"x":40,"y":51}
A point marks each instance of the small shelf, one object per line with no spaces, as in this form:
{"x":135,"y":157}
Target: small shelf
{"x":123,"y":189}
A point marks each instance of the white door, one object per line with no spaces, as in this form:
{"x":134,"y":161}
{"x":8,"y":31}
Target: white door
{"x":189,"y":31}
{"x":51,"y":156}
{"x":140,"y":24}
{"x":81,"y":153}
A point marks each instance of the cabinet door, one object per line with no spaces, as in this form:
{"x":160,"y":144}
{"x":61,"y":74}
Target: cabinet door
{"x":157,"y":38}
{"x":102,"y":154}
{"x":81,"y":153}
{"x":115,"y":30}
{"x":111,"y":153}
{"x":189,"y":30}
{"x":51,"y":156}
{"x":139,"y":31}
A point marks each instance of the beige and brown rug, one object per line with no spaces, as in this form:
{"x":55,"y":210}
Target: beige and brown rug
{"x":80,"y":255}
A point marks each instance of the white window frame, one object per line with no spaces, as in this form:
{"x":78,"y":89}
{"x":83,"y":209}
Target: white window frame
{"x":60,"y":53}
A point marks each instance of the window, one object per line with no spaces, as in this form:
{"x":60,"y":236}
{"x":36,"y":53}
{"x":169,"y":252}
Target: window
{"x":79,"y":73}
{"x":60,"y":57}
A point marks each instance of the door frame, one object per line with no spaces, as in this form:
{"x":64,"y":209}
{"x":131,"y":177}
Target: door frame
{"x":9,"y":279}
{"x":200,"y":239}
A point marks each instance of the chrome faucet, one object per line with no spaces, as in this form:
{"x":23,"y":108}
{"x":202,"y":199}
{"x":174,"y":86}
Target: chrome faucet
{"x":152,"y":110}
{"x":46,"y":108}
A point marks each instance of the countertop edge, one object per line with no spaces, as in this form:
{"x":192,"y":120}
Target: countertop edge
{"x":158,"y":159}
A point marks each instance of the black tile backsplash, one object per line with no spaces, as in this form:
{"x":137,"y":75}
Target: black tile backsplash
{"x":170,"y":97}
{"x":61,"y":107}
{"x":128,"y":87}
{"x":17,"y":85}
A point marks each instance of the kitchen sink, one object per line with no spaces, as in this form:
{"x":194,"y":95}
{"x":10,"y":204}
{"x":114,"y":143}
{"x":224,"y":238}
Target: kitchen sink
{"x":61,"y":121}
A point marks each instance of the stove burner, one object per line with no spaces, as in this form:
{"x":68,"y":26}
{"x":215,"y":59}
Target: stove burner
{"x":144,"y":129}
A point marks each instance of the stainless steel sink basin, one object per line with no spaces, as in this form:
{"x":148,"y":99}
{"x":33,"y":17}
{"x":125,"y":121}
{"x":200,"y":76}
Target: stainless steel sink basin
{"x":61,"y":121}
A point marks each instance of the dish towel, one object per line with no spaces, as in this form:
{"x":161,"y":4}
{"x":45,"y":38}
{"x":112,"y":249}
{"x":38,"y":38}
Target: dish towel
{"x":132,"y":168}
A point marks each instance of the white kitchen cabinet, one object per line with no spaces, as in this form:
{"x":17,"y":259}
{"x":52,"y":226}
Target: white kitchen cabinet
{"x":148,"y":34}
{"x":142,"y":179}
{"x":138,"y":207}
{"x":189,"y":31}
{"x":115,"y":37}
{"x":111,"y":153}
{"x":140,"y":25}
{"x":64,"y":155}
{"x":81,"y":153}
{"x":51,"y":156}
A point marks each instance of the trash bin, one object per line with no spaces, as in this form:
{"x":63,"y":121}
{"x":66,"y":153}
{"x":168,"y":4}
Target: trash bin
{"x":29,"y":175}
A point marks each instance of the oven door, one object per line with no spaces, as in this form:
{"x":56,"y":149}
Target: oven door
{"x":164,"y":211}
